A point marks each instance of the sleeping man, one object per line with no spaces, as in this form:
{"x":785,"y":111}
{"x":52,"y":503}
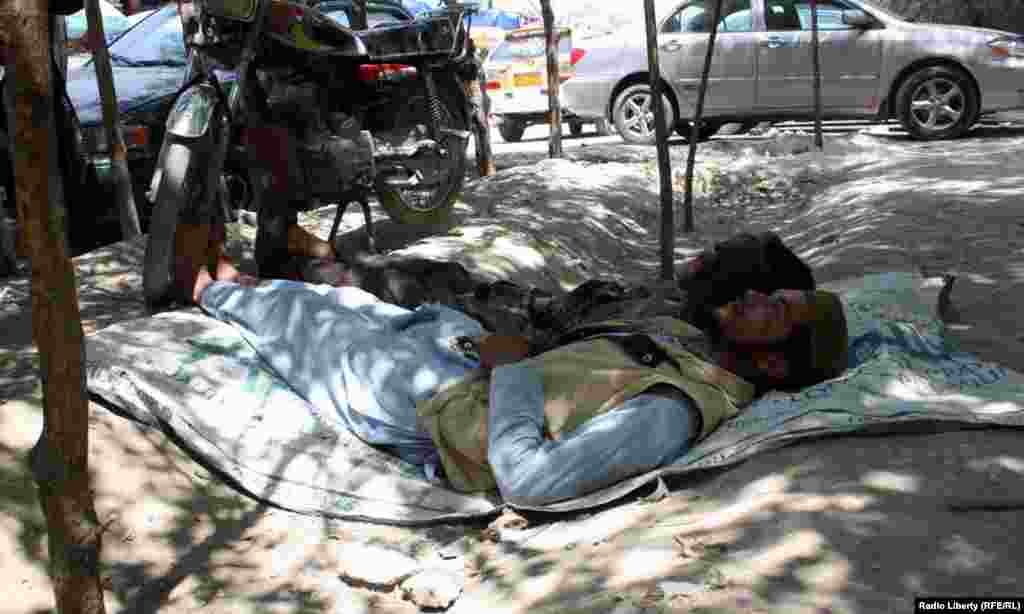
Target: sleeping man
{"x":432,"y":386}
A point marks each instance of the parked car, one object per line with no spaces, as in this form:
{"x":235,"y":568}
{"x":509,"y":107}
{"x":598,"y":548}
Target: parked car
{"x":935,"y":79}
{"x":517,"y":83}
{"x":149,"y":63}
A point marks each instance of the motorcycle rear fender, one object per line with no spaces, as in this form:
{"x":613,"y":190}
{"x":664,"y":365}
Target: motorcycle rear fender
{"x":193,"y":110}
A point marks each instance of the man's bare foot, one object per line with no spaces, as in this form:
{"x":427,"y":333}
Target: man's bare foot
{"x":226,"y":271}
{"x":203,"y":281}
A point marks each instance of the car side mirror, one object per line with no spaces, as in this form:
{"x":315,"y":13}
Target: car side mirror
{"x":857,"y":18}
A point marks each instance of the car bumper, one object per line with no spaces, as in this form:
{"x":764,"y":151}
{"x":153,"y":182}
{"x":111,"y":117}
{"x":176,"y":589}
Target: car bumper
{"x":519,"y":101}
{"x":1001,"y":85}
{"x":588,"y":97}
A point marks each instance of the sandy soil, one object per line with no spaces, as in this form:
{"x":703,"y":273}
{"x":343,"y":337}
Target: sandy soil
{"x":850,"y":524}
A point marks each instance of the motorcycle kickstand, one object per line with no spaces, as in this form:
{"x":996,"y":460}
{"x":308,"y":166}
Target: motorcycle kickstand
{"x":370,"y":243}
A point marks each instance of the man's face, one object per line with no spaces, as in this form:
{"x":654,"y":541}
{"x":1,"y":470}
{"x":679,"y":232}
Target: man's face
{"x":758,"y":318}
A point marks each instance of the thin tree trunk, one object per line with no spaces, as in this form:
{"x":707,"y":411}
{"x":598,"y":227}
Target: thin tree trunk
{"x":59,"y":459}
{"x":551,"y":37}
{"x":59,"y":35}
{"x":668,"y":219}
{"x":819,"y":140}
{"x":698,"y":113}
{"x":481,"y":125}
{"x":359,"y":15}
{"x":129,"y":214}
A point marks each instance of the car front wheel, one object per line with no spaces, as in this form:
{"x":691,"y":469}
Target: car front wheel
{"x":634,"y":115}
{"x":937,"y":102}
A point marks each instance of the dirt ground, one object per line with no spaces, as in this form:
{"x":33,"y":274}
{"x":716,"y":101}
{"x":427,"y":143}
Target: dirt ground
{"x":841,"y":524}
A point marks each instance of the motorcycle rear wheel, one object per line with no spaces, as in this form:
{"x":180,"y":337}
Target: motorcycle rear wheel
{"x":182,"y":178}
{"x":430,"y":205}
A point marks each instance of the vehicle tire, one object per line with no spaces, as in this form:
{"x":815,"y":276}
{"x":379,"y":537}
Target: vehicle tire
{"x":430,"y":203}
{"x":183,"y":174}
{"x":511,"y":130}
{"x":576,"y":129}
{"x":937,"y":102}
{"x":707,"y":130}
{"x":603,"y":127}
{"x":634,"y":114}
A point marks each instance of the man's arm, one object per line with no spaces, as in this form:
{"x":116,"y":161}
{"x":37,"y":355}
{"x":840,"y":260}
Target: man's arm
{"x":643,"y":433}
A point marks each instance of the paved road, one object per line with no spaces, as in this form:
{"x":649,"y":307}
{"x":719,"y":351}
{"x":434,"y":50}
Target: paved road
{"x":535,"y":139}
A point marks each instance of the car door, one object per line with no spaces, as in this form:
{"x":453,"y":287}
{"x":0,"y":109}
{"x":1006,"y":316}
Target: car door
{"x":682,"y":48}
{"x":851,"y":59}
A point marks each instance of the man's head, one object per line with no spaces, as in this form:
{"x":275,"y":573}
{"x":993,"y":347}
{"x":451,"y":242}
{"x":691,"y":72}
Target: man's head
{"x":788,"y":339}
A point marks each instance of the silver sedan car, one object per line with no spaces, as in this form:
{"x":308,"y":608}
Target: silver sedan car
{"x":936,"y":80}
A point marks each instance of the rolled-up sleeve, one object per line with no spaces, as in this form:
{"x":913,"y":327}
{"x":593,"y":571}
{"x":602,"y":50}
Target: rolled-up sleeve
{"x":643,"y":433}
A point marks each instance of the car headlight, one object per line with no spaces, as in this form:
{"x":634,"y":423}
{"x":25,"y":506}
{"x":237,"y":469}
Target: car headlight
{"x":1007,"y":47}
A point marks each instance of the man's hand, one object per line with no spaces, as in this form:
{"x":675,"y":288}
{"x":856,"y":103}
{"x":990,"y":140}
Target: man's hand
{"x":497,"y":350}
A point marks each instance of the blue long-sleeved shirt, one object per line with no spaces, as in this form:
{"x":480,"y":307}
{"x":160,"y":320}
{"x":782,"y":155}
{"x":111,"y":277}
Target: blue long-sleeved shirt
{"x":370,"y":363}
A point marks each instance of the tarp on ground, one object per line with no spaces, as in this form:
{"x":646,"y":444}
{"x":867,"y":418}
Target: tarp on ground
{"x":196,"y":379}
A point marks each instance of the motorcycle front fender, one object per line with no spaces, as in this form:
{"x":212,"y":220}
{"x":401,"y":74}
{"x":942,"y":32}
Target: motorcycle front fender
{"x":193,"y":111}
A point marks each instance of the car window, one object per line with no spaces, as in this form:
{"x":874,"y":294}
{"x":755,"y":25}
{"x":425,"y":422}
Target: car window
{"x":521,"y":49}
{"x":155,"y":40}
{"x":693,"y":17}
{"x":796,"y":15}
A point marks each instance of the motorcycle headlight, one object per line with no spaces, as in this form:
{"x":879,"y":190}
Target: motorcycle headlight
{"x":1007,"y":47}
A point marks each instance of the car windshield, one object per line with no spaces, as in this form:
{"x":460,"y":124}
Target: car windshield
{"x":527,"y":48}
{"x":157,"y":40}
{"x":154,"y":41}
{"x":114,"y":23}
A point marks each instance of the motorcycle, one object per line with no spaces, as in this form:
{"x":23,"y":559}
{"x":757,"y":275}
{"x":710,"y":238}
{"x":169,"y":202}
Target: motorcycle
{"x":378,"y":111}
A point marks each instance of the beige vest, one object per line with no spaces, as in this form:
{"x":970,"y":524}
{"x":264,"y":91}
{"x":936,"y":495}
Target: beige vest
{"x":581,"y":380}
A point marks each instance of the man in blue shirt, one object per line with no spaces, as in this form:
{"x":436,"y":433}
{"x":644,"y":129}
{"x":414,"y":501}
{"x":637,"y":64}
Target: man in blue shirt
{"x":373,"y":363}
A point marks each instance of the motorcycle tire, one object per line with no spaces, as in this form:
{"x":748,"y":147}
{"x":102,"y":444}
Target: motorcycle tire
{"x":432,"y":207}
{"x":182,"y":173}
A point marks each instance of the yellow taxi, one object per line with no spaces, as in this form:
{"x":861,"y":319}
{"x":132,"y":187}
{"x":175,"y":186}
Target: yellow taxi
{"x":517,"y":82}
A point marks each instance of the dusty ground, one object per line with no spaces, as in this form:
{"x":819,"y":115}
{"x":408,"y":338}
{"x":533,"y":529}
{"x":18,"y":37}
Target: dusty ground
{"x":850,"y":524}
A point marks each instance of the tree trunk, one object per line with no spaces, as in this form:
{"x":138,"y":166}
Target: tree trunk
{"x":359,"y":15}
{"x":481,"y":126}
{"x":698,"y":113}
{"x":59,"y":460}
{"x":819,"y":140}
{"x":554,"y":105}
{"x":59,"y":37}
{"x":129,"y":214}
{"x":668,"y":219}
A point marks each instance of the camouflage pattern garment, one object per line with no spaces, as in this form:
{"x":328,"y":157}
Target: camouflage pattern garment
{"x":744,"y":262}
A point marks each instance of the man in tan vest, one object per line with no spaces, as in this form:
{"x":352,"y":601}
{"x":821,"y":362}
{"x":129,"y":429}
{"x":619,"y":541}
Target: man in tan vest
{"x":620,"y":399}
